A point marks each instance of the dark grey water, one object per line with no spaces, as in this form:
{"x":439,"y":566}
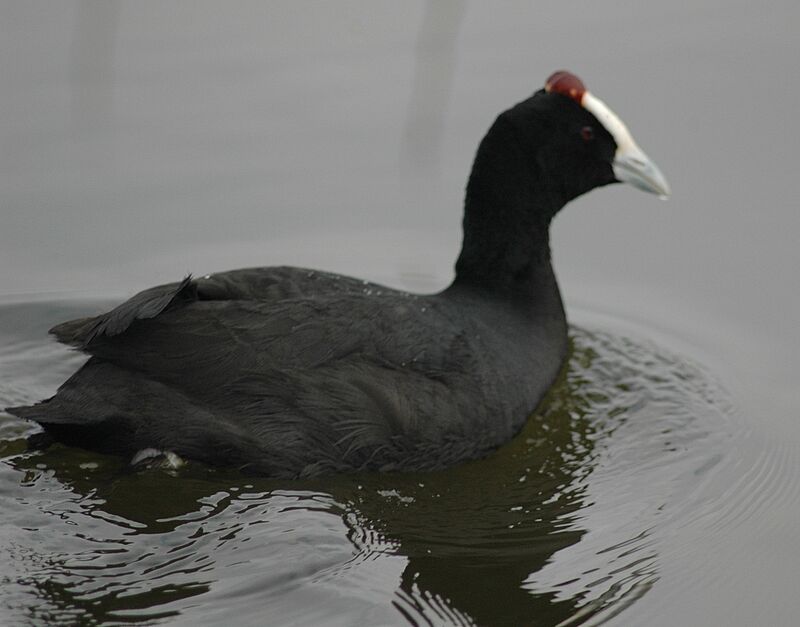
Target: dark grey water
{"x":658,"y":485}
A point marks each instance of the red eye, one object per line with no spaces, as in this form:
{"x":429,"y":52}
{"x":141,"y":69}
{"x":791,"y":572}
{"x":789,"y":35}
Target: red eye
{"x":587,"y":132}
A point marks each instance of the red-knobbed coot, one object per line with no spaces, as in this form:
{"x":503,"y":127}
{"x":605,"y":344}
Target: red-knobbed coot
{"x":290,"y":372}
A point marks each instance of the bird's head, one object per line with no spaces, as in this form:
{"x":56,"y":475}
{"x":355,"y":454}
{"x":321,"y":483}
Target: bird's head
{"x":538,"y":155}
{"x":577,"y":142}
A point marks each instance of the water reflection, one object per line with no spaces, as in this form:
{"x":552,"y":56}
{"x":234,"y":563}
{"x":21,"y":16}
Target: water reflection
{"x":558,"y":526}
{"x":472,"y":535}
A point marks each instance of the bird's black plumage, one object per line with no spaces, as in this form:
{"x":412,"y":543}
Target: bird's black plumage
{"x":291,"y":372}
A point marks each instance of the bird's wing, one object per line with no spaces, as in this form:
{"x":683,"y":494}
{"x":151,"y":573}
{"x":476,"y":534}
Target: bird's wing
{"x":143,"y":306}
{"x":270,"y":284}
{"x":356,"y":374}
{"x":219,"y":340}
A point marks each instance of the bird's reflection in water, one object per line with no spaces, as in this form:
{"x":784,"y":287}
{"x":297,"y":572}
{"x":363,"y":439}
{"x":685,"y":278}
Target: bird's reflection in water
{"x":473,"y":534}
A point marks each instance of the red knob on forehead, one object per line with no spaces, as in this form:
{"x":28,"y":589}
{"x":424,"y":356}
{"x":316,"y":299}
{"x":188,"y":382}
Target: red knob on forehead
{"x":566,"y":84}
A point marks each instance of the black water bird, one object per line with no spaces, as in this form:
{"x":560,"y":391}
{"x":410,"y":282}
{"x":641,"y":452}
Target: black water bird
{"x":292,"y":372}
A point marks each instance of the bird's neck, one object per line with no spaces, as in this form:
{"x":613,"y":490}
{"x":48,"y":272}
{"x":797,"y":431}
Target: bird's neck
{"x":508,"y":208}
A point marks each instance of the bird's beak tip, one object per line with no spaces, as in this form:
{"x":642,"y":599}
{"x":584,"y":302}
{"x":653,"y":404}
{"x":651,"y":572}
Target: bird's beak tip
{"x":635,"y":167}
